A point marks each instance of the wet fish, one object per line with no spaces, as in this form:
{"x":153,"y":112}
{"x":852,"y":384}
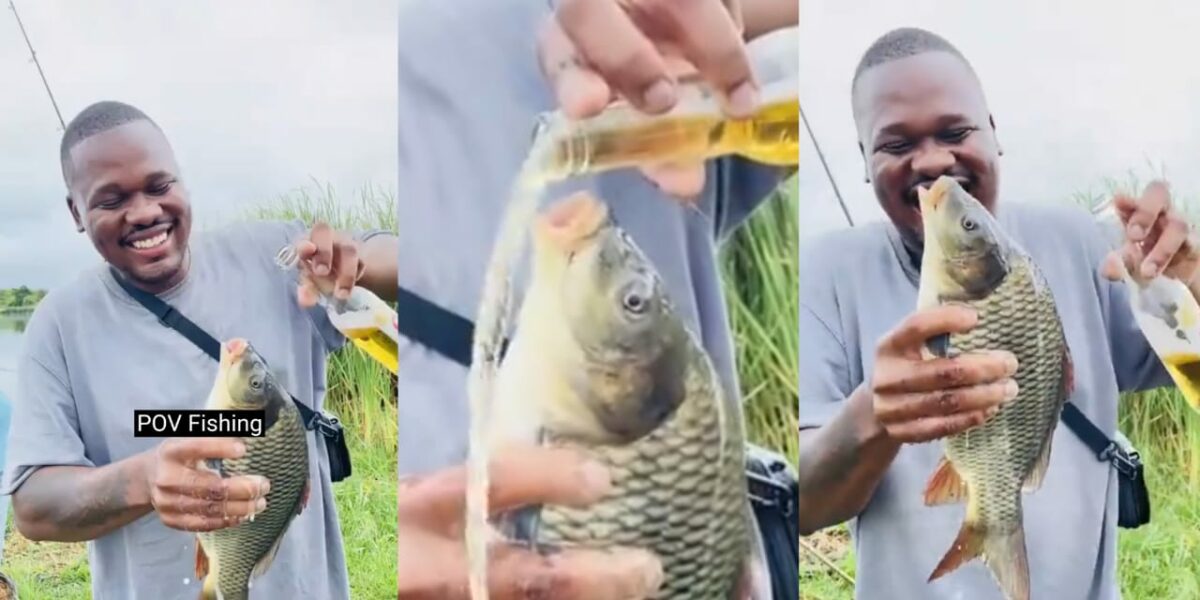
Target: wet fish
{"x":227,"y":559}
{"x":968,"y":259}
{"x":602,"y":362}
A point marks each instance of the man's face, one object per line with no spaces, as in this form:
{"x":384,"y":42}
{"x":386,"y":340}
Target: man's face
{"x":125,"y":192}
{"x":919,"y":118}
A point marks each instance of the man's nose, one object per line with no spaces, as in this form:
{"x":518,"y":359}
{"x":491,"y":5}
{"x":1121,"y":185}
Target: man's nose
{"x":143,"y":210}
{"x":932,"y":161}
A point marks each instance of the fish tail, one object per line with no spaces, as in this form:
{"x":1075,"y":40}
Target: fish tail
{"x":1002,"y":551}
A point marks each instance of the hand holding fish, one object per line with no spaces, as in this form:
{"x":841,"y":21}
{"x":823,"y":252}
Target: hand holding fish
{"x":593,"y":50}
{"x":329,"y":261}
{"x":1158,"y":239}
{"x":192,"y":499}
{"x":430,"y":537}
{"x":918,"y":400}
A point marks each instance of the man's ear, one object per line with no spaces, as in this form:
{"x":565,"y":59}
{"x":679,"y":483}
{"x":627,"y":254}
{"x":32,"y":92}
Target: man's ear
{"x":992,"y":121}
{"x":75,"y":214}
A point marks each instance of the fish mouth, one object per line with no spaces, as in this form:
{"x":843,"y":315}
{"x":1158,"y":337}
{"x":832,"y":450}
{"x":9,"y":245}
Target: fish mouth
{"x":931,"y":199}
{"x":234,"y":350}
{"x":913,"y":196}
{"x":570,"y":224}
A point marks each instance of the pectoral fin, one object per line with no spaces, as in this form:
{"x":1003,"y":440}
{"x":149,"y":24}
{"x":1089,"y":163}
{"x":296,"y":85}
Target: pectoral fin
{"x":1034,"y":480}
{"x":945,"y":486}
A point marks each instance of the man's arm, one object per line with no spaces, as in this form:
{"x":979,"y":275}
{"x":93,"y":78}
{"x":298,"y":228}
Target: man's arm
{"x":761,"y":17}
{"x":841,"y":463}
{"x":76,"y":504}
{"x":380,"y":255}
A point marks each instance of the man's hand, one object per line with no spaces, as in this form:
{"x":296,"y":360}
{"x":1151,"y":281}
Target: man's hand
{"x":329,"y":263}
{"x":432,"y":556}
{"x":192,"y":499}
{"x":918,"y":400}
{"x":594,"y":50}
{"x":1158,"y":240}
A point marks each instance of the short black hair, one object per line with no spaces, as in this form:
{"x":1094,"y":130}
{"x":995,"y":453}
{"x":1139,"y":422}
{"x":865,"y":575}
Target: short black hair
{"x":903,"y":43}
{"x":97,"y":118}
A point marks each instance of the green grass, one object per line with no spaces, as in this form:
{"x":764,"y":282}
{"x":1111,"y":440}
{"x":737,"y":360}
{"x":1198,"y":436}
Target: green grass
{"x":1158,"y":560}
{"x":361,"y":393}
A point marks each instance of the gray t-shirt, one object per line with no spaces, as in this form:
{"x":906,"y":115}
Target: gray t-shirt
{"x":856,"y":286}
{"x":469,"y":92}
{"x":92,"y":355}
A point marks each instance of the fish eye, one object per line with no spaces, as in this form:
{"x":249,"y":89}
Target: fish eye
{"x":968,"y":224}
{"x":634,"y":302}
{"x":256,"y":382}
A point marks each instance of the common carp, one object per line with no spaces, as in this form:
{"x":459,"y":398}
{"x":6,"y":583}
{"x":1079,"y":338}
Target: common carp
{"x":969,"y":260}
{"x":602,"y":362}
{"x":228,"y":558}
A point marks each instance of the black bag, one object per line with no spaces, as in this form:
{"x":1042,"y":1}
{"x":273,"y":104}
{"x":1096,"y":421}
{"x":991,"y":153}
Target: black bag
{"x":1133,"y":508}
{"x":773,"y":487}
{"x":326,"y":425}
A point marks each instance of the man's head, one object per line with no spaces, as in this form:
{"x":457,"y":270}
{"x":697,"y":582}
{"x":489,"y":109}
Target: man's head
{"x":123,"y":189}
{"x":920,"y":114}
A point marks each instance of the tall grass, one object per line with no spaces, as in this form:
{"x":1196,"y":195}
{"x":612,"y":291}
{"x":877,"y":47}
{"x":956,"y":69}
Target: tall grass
{"x":362,"y":395}
{"x":759,"y":264}
{"x":1160,"y":559}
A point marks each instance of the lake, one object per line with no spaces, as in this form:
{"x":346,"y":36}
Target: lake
{"x":12,"y":324}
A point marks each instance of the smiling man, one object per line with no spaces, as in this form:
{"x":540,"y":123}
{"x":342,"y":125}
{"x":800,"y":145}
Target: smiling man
{"x":868,"y":402}
{"x":93,"y":355}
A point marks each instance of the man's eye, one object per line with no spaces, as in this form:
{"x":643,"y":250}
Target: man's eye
{"x":109,"y":202}
{"x":896,"y":147}
{"x":159,"y":189}
{"x":956,"y":135}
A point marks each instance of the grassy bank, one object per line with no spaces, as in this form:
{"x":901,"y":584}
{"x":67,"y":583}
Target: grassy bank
{"x":361,"y":393}
{"x":20,"y":298}
{"x":1158,"y":560}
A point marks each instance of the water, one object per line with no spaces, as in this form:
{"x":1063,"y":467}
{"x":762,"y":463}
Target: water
{"x":12,"y":327}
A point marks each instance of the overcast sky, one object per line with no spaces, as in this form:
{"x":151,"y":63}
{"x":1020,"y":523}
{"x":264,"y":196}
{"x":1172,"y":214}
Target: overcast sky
{"x":258,"y":97}
{"x":1081,"y":91}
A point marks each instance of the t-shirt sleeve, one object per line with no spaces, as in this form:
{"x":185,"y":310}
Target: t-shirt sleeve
{"x":825,"y":377}
{"x":742,"y":186}
{"x":45,"y":425}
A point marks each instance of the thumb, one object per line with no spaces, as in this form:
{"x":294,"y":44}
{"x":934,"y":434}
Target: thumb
{"x":683,"y":181}
{"x":1111,"y":268}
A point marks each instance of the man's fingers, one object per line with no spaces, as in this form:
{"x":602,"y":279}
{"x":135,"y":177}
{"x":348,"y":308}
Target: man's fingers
{"x":581,"y":92}
{"x":946,"y":373}
{"x":1166,"y":241}
{"x":347,"y":269}
{"x":307,"y":294}
{"x":1112,"y":269}
{"x":681,"y":181}
{"x":233,"y":510}
{"x":1154,"y":202}
{"x":919,"y":327}
{"x":613,"y":45}
{"x":204,"y":485}
{"x":911,"y":407}
{"x":710,"y":38}
{"x":197,"y":523}
{"x":519,"y":476}
{"x":935,"y":428}
{"x":321,"y":236}
{"x":516,"y":574}
{"x":191,"y":450}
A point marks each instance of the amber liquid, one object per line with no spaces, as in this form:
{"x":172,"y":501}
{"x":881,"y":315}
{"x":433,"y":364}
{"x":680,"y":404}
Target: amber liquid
{"x":771,"y":136}
{"x":1185,"y":370}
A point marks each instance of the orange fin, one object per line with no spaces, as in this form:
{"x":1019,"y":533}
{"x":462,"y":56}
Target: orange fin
{"x":945,"y":486}
{"x":1003,"y":553}
{"x":304,"y":498}
{"x":1068,"y":371}
{"x":966,"y":547}
{"x":201,"y":560}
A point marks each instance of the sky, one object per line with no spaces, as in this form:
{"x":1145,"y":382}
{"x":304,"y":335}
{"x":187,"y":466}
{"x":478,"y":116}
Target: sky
{"x":257,"y":97}
{"x":1081,"y":92}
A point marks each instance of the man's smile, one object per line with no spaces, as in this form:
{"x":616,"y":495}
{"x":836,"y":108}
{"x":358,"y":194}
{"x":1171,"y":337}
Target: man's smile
{"x":151,"y":241}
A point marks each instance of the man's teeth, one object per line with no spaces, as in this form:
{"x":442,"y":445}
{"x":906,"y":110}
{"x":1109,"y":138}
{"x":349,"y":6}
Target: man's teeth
{"x":150,"y":242}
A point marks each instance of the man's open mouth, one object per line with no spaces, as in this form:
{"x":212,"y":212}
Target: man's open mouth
{"x":151,"y":238}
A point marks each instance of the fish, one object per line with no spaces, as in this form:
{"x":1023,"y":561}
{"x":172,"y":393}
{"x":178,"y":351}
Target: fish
{"x":968,"y":259}
{"x":602,"y":362}
{"x":228,"y":559}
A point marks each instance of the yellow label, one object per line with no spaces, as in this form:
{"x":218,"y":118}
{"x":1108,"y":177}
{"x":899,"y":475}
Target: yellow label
{"x":378,"y":346}
{"x":1185,"y":370}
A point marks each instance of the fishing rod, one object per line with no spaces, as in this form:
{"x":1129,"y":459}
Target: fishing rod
{"x":38,"y":64}
{"x":828,"y":174}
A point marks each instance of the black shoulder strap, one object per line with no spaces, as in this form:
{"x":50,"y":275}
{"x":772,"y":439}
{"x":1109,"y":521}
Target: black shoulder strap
{"x":436,"y":328}
{"x":1089,"y":433}
{"x":168,"y":316}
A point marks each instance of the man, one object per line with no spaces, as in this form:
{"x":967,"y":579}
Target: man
{"x":93,"y":355}
{"x":476,"y":114}
{"x":867,"y":400}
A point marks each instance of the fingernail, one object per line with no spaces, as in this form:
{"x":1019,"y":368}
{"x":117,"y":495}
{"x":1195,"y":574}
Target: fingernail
{"x":239,"y":449}
{"x":596,"y":478}
{"x":321,"y":270}
{"x":650,"y":568}
{"x":743,"y":100}
{"x":1010,"y":363}
{"x":264,"y":486}
{"x":261,"y":505}
{"x":991,"y":412}
{"x":343,"y":293}
{"x":1010,"y":390}
{"x":1149,"y":269}
{"x":659,"y":96}
{"x":1136,"y":232}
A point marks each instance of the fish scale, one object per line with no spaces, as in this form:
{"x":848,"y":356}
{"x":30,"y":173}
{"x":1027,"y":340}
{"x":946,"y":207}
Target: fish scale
{"x":673,"y":495}
{"x":281,"y":456}
{"x":995,"y":458}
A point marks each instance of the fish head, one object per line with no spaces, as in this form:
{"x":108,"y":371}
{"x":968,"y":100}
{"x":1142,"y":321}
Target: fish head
{"x":964,"y":246}
{"x":249,"y":382}
{"x":630,"y":349}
